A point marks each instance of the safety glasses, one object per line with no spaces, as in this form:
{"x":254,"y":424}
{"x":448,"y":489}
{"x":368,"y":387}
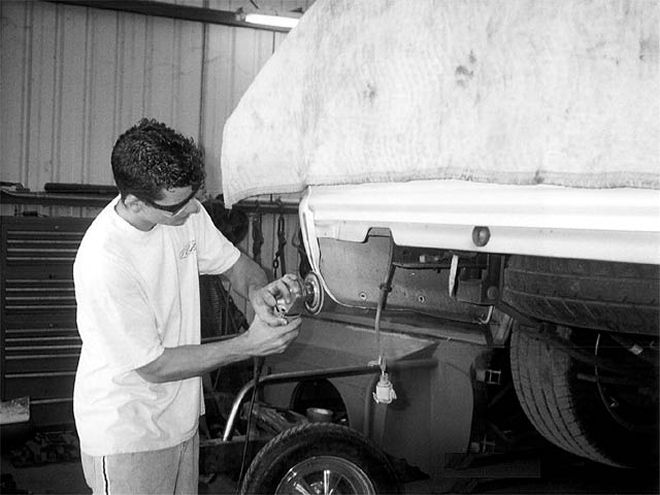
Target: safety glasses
{"x":173,"y":209}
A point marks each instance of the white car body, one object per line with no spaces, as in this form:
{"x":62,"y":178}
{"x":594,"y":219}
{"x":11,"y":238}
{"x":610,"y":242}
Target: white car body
{"x":621,"y":224}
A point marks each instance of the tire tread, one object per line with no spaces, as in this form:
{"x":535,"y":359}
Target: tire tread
{"x":619,"y":297}
{"x":548,"y":403}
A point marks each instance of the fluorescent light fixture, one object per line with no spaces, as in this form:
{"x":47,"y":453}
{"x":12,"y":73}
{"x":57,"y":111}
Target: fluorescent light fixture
{"x":271,"y":20}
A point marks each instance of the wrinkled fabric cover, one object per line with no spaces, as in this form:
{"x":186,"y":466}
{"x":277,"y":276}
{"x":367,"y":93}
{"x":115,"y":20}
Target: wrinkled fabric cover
{"x":517,"y":92}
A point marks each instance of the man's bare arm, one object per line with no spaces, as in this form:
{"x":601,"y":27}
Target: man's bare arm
{"x":179,"y":363}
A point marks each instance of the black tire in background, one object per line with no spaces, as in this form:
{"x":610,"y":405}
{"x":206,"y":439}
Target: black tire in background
{"x":618,"y":297}
{"x":611,"y":424}
{"x":351,"y":462}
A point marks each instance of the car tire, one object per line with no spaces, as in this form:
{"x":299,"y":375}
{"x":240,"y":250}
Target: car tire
{"x":569,"y":408}
{"x":302,"y":454}
{"x":618,"y":297}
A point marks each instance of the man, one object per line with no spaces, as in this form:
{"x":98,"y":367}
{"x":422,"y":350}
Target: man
{"x":138,"y":392}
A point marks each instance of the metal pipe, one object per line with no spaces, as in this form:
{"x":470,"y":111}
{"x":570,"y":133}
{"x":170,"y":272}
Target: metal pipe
{"x":80,"y":189}
{"x":172,"y":11}
{"x":41,"y":402}
{"x":47,"y":199}
{"x":294,"y":376}
{"x":255,"y":206}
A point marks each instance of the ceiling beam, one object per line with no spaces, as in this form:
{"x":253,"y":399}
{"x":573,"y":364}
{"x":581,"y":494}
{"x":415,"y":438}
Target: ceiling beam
{"x":171,"y":11}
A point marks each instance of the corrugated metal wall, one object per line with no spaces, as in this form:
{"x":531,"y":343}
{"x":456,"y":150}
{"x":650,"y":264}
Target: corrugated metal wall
{"x":73,"y":78}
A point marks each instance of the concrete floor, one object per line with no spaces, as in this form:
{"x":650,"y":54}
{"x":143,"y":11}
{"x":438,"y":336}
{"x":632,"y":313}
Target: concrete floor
{"x":67,"y":479}
{"x":562,"y":474}
{"x":64,"y":478}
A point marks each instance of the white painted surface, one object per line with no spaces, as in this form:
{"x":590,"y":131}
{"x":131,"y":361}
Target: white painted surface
{"x":621,"y":224}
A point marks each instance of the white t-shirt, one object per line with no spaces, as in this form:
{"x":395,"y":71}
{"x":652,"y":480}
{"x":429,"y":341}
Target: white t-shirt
{"x":137,"y":293}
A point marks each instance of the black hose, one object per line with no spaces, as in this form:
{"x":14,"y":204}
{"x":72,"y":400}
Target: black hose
{"x":258,"y":364}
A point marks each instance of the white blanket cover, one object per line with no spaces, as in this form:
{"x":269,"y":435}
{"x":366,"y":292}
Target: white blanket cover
{"x":519,"y":92}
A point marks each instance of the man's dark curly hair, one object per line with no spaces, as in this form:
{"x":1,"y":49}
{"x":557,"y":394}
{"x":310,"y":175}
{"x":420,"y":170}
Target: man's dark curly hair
{"x":150,"y":157}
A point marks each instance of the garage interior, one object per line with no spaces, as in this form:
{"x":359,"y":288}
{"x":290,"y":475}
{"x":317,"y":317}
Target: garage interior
{"x":75,"y":73}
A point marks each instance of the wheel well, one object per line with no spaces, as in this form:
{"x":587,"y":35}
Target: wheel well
{"x":319,"y":393}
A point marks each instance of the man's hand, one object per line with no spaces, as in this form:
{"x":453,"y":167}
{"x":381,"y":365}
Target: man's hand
{"x":264,"y":299}
{"x":263,"y":339}
{"x":186,"y":361}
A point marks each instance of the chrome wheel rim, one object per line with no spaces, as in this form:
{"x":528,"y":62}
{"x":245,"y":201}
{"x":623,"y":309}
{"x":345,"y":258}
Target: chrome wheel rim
{"x":325,"y":475}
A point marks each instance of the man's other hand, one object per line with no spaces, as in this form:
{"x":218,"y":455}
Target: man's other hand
{"x":263,"y":339}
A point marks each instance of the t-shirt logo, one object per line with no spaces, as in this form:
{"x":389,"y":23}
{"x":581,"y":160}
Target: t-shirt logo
{"x":190,"y":248}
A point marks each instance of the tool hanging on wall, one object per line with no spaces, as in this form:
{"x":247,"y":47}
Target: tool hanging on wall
{"x":303,"y":266}
{"x":279,"y":260}
{"x":257,"y":235}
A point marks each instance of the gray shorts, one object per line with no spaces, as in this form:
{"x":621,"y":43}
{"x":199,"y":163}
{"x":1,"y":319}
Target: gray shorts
{"x":174,"y":470}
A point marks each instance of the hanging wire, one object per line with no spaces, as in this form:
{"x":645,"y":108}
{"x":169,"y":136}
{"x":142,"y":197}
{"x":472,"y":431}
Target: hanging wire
{"x":258,"y":364}
{"x":385,"y":289}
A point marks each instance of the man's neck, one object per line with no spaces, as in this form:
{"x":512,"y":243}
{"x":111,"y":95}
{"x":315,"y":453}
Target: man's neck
{"x":132,"y":218}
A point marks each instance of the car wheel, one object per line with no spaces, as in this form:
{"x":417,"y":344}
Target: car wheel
{"x":605,"y":412}
{"x":320,"y":458}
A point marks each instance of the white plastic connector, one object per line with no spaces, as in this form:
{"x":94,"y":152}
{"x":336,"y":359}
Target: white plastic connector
{"x":385,"y":393}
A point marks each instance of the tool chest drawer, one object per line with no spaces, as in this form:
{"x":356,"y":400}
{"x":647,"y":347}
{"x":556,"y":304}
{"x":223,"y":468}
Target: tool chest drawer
{"x":39,"y":342}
